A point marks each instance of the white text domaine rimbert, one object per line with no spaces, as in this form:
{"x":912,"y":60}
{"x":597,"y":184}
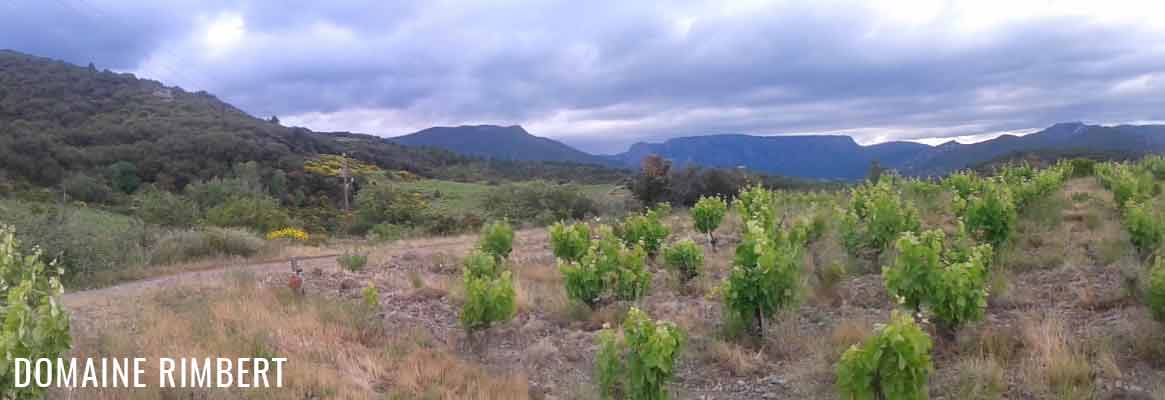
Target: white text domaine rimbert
{"x":130,"y":372}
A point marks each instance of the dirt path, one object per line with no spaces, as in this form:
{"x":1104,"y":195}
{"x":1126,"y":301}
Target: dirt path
{"x":94,"y":307}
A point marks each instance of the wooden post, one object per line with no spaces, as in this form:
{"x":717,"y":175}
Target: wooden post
{"x":344,"y":176}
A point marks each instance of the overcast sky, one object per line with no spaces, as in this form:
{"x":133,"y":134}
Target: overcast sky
{"x":603,"y":74}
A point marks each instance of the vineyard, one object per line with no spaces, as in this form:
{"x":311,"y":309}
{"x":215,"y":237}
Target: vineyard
{"x":1030,"y":283}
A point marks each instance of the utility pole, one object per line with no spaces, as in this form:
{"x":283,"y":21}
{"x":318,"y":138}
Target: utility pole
{"x":344,"y":175}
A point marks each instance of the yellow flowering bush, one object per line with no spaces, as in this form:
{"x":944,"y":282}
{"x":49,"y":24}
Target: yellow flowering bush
{"x":333,"y":164}
{"x":288,"y":233}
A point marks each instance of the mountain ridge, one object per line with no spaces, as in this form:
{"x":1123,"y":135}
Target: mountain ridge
{"x":497,"y":142}
{"x":847,"y":160}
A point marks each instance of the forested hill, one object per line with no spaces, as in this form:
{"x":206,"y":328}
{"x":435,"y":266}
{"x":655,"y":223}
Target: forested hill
{"x":59,"y":119}
{"x":499,"y":143}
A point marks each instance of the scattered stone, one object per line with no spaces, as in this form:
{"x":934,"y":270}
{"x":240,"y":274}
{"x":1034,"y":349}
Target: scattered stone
{"x":427,"y":293}
{"x":542,"y":351}
{"x":348,"y":284}
{"x":534,"y":327}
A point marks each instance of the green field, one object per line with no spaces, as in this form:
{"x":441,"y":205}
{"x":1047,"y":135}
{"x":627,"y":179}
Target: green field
{"x":459,"y":197}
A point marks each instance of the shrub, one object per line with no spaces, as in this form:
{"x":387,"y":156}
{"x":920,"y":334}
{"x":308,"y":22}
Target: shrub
{"x":87,"y":189}
{"x":1082,"y":167}
{"x":442,"y":223}
{"x":538,"y":202}
{"x":1146,"y":228}
{"x":124,"y":176}
{"x":894,"y":363}
{"x":646,"y":230}
{"x":756,"y":203}
{"x":480,"y":264}
{"x":609,"y":366}
{"x":950,"y":282}
{"x":35,"y":324}
{"x":631,"y":279}
{"x":875,"y":217}
{"x":959,"y":292}
{"x":371,"y":296}
{"x":583,"y":278}
{"x":1027,"y":187}
{"x":908,"y":278}
{"x":639,"y":364}
{"x":288,"y":233}
{"x":686,"y":257}
{"x":497,"y":239}
{"x":1156,"y":290}
{"x":261,"y":213}
{"x":487,"y":300}
{"x":382,"y":202}
{"x":963,"y":183}
{"x":387,"y":232}
{"x":215,"y":192}
{"x":570,"y":242}
{"x":608,"y":266}
{"x":765,"y":277}
{"x":186,"y":245}
{"x":707,"y":214}
{"x":352,"y":261}
{"x":83,"y":241}
{"x":164,"y":208}
{"x":688,"y":185}
{"x":1126,"y":184}
{"x":990,"y":214}
{"x":1154,"y":165}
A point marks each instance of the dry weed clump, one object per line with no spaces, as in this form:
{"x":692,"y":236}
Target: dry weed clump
{"x":979,"y":378}
{"x":731,"y":357}
{"x":846,"y":333}
{"x":1056,"y":365}
{"x":336,"y":349}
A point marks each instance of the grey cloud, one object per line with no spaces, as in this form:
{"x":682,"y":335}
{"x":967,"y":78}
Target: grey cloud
{"x":622,"y":71}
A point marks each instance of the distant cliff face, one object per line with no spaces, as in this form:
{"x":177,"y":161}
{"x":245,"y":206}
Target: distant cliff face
{"x":839,"y":157}
{"x":497,"y":142}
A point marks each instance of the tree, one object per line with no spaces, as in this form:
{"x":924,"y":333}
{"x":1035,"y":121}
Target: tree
{"x":277,"y":184}
{"x":35,"y":323}
{"x":273,"y":120}
{"x":651,"y":185}
{"x":124,"y":176}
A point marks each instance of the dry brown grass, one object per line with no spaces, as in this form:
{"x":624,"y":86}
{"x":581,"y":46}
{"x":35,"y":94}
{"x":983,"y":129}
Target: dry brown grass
{"x":1001,"y":343}
{"x":540,"y":287}
{"x":732,"y":357}
{"x":979,"y":378}
{"x":1056,"y":365}
{"x":438,"y":374}
{"x":846,"y":333}
{"x":1143,"y":338}
{"x":784,"y":340}
{"x":335,"y":349}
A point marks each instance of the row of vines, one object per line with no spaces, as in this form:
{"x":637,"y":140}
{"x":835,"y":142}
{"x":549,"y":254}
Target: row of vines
{"x":1136,"y":189}
{"x":937,"y":273}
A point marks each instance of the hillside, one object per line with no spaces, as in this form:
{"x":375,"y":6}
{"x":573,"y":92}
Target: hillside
{"x":59,"y":120}
{"x":496,"y":142}
{"x":839,"y":157}
{"x":1117,"y":142}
